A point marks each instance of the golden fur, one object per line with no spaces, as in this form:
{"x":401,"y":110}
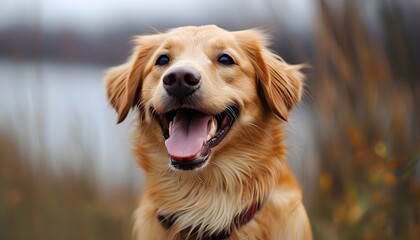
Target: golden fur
{"x":248,"y":166}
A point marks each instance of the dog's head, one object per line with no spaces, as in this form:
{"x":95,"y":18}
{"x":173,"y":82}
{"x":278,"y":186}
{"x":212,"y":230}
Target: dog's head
{"x":201,"y":86}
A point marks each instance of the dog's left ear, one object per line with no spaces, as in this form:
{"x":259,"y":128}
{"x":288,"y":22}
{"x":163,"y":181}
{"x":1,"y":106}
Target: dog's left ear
{"x":281,"y":83}
{"x":123,"y":83}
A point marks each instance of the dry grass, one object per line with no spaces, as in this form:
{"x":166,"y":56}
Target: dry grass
{"x":366,"y":104}
{"x":36,"y":204}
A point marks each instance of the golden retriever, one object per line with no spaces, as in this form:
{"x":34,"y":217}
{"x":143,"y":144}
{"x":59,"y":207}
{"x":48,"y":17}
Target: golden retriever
{"x":210,"y":105}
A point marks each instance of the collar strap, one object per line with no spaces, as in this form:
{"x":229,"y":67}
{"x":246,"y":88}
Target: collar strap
{"x":241,"y":219}
{"x":247,"y":215}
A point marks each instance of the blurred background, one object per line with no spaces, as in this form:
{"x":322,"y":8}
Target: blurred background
{"x":66,"y":169}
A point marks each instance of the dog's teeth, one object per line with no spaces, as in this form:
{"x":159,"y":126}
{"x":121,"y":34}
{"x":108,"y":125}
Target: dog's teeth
{"x":212,"y":129}
{"x":170,"y":127}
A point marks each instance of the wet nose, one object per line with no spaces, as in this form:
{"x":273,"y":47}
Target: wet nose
{"x":180,"y":82}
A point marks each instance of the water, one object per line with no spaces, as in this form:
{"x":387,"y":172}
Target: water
{"x":59,"y":115}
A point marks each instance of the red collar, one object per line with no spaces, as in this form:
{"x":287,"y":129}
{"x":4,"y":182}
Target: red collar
{"x":241,"y":219}
{"x":247,"y":215}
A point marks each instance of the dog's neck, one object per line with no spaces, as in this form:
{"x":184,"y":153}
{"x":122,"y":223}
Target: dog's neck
{"x":167,"y":221}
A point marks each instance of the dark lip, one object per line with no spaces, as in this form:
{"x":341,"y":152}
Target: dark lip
{"x":190,"y":164}
{"x":225,"y":121}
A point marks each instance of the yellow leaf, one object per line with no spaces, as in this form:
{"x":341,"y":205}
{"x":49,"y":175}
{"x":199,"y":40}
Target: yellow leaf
{"x":389,"y":179}
{"x":325,"y":182}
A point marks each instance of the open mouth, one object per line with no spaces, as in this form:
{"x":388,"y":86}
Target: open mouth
{"x":190,"y":134}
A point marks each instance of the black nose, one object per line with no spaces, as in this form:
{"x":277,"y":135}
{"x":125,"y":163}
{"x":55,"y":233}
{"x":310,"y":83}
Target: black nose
{"x":181,"y":81}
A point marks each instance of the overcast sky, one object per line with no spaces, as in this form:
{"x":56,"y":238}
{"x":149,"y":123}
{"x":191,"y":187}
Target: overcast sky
{"x":97,"y":15}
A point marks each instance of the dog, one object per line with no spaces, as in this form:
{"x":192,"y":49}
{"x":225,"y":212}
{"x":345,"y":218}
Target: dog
{"x":209,"y":136}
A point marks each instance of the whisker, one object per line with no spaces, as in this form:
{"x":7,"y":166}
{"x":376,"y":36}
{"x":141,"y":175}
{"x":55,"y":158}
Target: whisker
{"x":245,"y":237}
{"x":260,"y":130}
{"x":249,"y":135}
{"x":231,"y":114}
{"x":167,"y":172}
{"x":199,"y":178}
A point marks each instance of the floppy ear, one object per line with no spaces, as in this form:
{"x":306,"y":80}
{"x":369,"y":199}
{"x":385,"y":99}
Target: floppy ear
{"x":123,"y":83}
{"x":280,"y":83}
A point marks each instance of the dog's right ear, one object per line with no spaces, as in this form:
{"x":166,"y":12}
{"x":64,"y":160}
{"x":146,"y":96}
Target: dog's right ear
{"x":123,"y":83}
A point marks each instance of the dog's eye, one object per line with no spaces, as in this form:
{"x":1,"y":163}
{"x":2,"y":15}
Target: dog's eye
{"x":225,"y":60}
{"x":162,"y":60}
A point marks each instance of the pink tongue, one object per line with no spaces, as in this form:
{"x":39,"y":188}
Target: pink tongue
{"x":188,"y":134}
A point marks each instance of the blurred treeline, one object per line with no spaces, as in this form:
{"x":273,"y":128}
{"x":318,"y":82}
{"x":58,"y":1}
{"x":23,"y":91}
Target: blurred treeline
{"x":364,"y":90}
